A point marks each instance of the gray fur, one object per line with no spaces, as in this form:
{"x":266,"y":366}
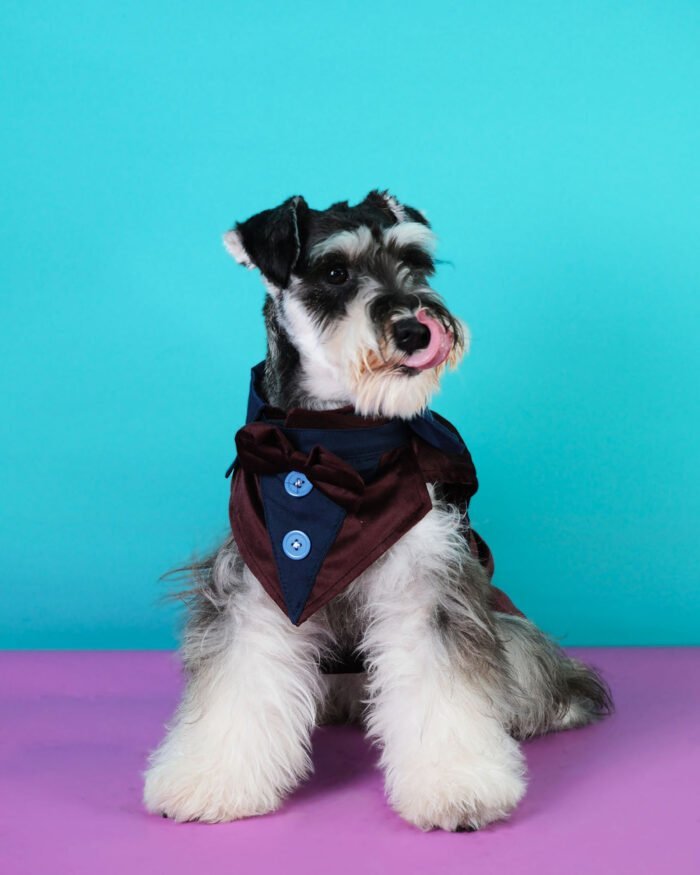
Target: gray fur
{"x":556,"y":691}
{"x":213,"y":584}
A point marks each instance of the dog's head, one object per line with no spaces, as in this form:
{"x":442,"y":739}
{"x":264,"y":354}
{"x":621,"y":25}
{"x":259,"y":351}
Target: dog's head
{"x":350,"y":315}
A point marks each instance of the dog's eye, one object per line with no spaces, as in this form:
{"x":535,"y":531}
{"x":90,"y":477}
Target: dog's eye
{"x":337,"y":275}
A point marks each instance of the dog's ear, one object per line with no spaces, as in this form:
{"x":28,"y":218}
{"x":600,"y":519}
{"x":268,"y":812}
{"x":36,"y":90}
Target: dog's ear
{"x":391,"y":205}
{"x":415,"y":215}
{"x":272,"y":240}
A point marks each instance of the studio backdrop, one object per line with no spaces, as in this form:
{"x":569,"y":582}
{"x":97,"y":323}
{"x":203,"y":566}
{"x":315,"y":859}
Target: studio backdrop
{"x":554,"y":148}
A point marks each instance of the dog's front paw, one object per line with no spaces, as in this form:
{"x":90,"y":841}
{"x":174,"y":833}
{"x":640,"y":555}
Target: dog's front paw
{"x":182,"y":790}
{"x":461,"y":795}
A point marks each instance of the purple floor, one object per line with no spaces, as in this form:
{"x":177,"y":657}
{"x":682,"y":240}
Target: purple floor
{"x":75,"y":728}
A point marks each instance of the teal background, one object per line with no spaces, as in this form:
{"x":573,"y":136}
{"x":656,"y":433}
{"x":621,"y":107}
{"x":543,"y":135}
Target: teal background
{"x":554,"y":147}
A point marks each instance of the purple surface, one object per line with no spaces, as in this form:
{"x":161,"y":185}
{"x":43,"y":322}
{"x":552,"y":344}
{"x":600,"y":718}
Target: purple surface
{"x":75,"y":728}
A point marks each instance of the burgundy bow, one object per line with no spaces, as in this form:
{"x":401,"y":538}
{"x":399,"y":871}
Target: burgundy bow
{"x":265,"y":449}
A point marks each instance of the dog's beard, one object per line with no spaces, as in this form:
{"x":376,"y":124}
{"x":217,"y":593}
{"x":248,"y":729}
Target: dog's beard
{"x":383,"y":388}
{"x":390,"y":392}
{"x":356,"y":362}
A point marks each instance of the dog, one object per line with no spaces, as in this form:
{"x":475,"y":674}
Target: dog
{"x":376,"y":605}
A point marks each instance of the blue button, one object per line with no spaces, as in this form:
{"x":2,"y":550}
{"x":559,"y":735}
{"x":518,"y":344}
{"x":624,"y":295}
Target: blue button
{"x":297,"y":485}
{"x":296,"y":544}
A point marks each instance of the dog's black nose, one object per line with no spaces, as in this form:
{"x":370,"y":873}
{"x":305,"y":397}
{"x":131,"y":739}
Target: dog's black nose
{"x":411,"y":335}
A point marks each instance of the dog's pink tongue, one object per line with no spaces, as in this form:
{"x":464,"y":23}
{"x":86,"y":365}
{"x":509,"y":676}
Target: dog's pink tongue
{"x":438,"y":348}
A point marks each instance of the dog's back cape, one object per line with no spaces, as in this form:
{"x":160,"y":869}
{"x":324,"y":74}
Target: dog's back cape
{"x":364,"y":487}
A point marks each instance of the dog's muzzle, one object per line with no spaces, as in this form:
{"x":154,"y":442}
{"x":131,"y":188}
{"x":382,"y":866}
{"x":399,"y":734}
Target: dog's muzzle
{"x":425,"y":339}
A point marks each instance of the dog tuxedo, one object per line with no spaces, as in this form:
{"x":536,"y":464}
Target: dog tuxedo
{"x":319,"y":496}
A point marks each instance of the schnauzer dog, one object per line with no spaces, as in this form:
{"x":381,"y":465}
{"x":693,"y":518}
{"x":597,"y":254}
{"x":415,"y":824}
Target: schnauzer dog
{"x":352,"y":586}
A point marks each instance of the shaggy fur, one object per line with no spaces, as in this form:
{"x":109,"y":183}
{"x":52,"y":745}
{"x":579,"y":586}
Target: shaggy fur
{"x":449,"y":684}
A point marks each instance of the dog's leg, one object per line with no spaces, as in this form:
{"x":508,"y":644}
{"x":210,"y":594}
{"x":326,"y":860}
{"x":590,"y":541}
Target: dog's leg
{"x":240,"y":739}
{"x":448,"y":760}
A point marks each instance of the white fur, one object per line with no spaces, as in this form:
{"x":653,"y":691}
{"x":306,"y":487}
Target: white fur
{"x":272,"y":289}
{"x":396,"y":208}
{"x":234,"y":246}
{"x":240,"y":739}
{"x":351,"y":244}
{"x":447,"y":758}
{"x":358,"y":242}
{"x":411,"y":234}
{"x":323,"y":371}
